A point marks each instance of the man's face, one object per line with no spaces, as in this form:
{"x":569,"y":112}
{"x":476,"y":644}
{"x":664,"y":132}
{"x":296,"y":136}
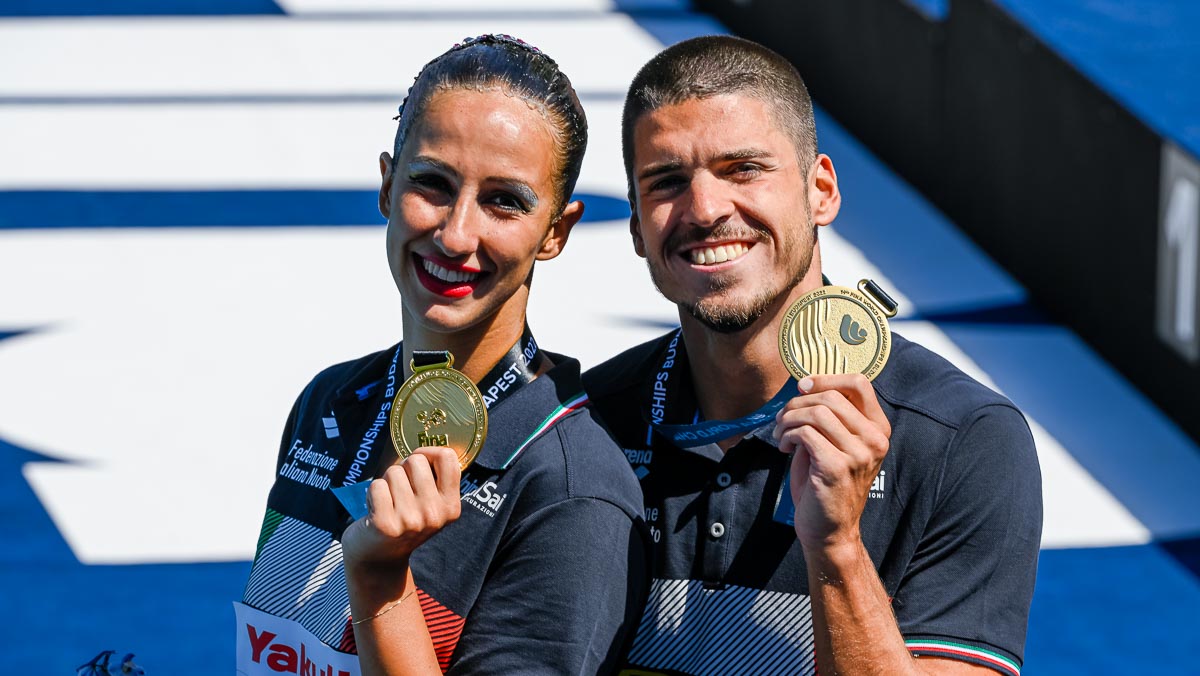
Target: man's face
{"x":721,"y":209}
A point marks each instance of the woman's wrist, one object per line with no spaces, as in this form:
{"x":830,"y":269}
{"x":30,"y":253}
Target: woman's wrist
{"x":376,"y":581}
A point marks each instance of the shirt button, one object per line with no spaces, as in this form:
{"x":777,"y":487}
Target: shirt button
{"x":723,"y":479}
{"x":717,"y":529}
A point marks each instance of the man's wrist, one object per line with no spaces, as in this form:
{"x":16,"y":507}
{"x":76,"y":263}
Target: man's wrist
{"x":829,"y":560}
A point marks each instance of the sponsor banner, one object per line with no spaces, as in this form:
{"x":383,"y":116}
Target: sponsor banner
{"x":268,"y":645}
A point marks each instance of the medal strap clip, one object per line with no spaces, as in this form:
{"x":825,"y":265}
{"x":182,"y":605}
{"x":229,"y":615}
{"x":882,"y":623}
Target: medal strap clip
{"x":877,"y":295}
{"x":423,"y":360}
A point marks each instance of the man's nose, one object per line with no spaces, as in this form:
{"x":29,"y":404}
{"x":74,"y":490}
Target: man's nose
{"x":709,"y":201}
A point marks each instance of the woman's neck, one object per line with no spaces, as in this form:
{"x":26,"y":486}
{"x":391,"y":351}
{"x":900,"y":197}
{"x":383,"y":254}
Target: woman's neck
{"x":476,"y":349}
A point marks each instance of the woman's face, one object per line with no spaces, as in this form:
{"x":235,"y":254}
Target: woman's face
{"x":469,"y":207}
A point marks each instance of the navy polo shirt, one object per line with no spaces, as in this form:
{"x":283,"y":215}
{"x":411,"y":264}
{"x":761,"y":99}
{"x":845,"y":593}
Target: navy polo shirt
{"x":544,"y":572}
{"x":952,"y":523}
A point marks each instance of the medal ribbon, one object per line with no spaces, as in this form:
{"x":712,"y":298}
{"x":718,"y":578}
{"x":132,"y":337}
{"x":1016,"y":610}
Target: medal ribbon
{"x":515,"y":368}
{"x":704,"y":432}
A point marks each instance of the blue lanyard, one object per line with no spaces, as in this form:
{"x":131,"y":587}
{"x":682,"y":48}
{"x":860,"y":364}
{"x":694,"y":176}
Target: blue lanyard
{"x":514,"y":370}
{"x":704,"y":432}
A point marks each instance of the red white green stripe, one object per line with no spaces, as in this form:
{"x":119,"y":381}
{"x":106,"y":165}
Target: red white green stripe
{"x":959,"y":650}
{"x":564,"y":409}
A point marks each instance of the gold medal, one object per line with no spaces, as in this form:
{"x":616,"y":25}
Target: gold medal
{"x":439,"y":406}
{"x":836,"y":329}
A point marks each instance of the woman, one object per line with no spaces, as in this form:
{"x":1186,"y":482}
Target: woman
{"x":532,"y":560}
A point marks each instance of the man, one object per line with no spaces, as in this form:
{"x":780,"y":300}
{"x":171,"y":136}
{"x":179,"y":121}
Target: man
{"x":917,"y":496}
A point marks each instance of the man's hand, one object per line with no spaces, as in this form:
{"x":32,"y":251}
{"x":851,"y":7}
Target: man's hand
{"x":838,"y":436}
{"x":413,"y":500}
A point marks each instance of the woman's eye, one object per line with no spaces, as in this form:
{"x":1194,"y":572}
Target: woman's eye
{"x":430,"y":182}
{"x":508,"y":202}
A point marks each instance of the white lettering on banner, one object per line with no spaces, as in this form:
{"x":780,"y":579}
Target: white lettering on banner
{"x":269,"y":645}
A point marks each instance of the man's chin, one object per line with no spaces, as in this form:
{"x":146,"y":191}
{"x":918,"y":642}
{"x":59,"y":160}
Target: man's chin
{"x":725,"y":320}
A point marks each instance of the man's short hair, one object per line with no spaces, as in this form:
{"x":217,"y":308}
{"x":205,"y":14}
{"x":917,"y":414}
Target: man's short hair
{"x":720,"y":64}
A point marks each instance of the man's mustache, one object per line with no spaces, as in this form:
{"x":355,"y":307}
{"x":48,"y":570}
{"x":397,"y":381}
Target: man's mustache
{"x":722,"y":232}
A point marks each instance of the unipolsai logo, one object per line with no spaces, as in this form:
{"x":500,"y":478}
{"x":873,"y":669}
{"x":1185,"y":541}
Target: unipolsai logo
{"x":878,"y":484}
{"x":852,"y":333}
{"x":485,"y":497}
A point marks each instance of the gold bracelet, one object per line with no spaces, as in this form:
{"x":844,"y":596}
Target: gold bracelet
{"x":404,"y":598}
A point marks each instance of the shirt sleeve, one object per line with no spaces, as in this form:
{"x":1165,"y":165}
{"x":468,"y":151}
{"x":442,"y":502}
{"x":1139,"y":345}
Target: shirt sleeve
{"x":562,"y":596}
{"x":967,"y":591}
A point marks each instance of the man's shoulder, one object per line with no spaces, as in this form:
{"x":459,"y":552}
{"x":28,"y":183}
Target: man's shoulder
{"x":627,"y":370}
{"x":922,"y":382}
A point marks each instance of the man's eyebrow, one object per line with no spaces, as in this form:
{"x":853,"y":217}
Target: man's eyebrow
{"x":659,"y":169}
{"x":744,"y":154}
{"x":729,"y":156}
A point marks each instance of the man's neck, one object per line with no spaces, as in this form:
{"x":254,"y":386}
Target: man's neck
{"x":734,"y":374}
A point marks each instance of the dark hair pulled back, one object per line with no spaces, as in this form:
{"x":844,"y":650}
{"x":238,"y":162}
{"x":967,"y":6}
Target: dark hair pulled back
{"x":497,"y":60}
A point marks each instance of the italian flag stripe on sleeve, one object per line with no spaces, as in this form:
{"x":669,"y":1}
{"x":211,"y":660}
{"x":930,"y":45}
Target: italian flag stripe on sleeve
{"x":948,"y":649}
{"x":564,"y":409}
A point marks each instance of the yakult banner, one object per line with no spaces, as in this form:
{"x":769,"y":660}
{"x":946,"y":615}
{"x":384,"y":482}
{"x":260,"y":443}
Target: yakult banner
{"x":269,"y":645}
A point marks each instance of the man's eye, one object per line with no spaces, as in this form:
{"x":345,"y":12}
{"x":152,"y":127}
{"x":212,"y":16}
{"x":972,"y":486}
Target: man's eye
{"x":667,"y":183}
{"x":747,"y":169}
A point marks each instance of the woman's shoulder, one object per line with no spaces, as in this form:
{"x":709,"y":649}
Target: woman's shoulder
{"x":573,"y":457}
{"x":360,"y":376}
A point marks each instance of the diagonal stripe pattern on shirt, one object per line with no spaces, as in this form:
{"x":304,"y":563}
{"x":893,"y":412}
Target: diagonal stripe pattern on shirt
{"x":298,"y":576}
{"x":694,"y":630}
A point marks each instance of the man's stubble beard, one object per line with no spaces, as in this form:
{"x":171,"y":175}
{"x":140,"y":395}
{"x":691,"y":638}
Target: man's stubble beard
{"x":726,"y":318}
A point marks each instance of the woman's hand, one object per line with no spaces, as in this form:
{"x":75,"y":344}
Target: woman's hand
{"x":411,"y":501}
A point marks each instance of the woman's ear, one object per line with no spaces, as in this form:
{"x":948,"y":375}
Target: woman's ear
{"x":385,"y":187}
{"x":560,"y":230}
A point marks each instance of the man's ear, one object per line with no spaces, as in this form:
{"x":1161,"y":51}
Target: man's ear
{"x":635,"y":231}
{"x":560,"y":230}
{"x":385,"y":187}
{"x":824,"y":197}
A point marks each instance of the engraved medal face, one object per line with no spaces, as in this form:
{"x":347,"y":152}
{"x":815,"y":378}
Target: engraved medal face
{"x":835,"y":329}
{"x":439,"y":406}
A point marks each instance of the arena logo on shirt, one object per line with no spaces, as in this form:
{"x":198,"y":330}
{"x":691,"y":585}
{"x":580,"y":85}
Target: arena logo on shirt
{"x":304,"y":465}
{"x":269,"y":645}
{"x":639,"y":459}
